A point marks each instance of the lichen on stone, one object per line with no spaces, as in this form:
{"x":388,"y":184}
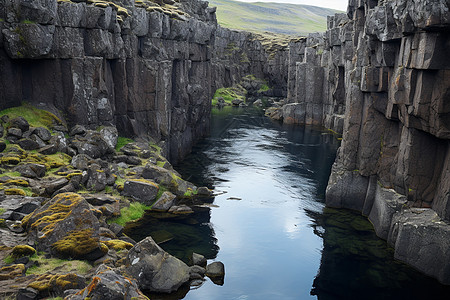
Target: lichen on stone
{"x":77,"y":243}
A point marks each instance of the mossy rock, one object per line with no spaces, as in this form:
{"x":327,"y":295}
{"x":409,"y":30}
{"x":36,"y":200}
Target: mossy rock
{"x":66,"y":226}
{"x":19,"y":182}
{"x":78,"y":243}
{"x":118,"y":245}
{"x":21,"y":251}
{"x":11,"y":272}
{"x":14,"y":191}
{"x":48,"y":283}
{"x":10,"y":160}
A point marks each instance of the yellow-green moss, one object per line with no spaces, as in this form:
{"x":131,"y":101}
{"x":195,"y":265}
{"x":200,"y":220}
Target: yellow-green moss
{"x":46,"y":220}
{"x":145,"y":181}
{"x":69,"y":176}
{"x":22,"y":250}
{"x":77,"y":243}
{"x":11,"y":272}
{"x":14,"y":191}
{"x":19,"y":182}
{"x":10,"y":160}
{"x":42,"y":283}
{"x":57,"y":160}
{"x":118,"y":245}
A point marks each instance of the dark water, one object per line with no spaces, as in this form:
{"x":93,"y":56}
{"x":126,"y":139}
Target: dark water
{"x":269,"y":225}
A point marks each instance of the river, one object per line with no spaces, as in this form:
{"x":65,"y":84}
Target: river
{"x":268,"y":223}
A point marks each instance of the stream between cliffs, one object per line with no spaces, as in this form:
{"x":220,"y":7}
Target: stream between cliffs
{"x":268,"y":223}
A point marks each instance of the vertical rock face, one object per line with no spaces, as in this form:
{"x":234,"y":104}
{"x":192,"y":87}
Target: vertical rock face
{"x":150,"y":70}
{"x":136,"y":66}
{"x":381,"y":77}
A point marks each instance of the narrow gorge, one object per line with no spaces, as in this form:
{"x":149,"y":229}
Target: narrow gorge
{"x":378,"y":79}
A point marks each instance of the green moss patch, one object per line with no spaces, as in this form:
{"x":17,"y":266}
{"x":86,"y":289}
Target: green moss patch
{"x":35,"y":117}
{"x":135,"y":211}
{"x":122,"y":141}
{"x":229,"y":94}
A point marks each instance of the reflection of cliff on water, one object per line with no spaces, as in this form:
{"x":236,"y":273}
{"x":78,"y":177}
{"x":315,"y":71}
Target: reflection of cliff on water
{"x":179,"y":235}
{"x":356,"y":264}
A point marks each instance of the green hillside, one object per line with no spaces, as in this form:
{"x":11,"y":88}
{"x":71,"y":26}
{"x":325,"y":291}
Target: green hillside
{"x":279,"y":18}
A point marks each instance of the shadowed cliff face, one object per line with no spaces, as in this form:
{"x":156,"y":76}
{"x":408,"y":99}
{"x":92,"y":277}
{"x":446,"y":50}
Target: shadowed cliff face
{"x":149,"y":69}
{"x":381,"y":78}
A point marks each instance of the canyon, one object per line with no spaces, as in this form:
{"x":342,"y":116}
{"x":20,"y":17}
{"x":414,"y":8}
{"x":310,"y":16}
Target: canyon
{"x":379,"y":76}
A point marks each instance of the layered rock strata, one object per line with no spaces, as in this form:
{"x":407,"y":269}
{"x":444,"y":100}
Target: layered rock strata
{"x":136,"y":65}
{"x":149,"y":68}
{"x":393,"y":164}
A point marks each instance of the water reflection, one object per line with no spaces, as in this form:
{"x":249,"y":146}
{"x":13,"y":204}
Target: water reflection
{"x":180,"y":235}
{"x":275,"y":237}
{"x":356,"y":264}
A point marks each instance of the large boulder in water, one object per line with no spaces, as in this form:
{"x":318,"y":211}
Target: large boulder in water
{"x":154,"y":269}
{"x":66,"y":226}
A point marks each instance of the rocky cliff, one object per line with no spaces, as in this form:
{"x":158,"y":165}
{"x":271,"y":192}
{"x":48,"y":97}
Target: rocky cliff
{"x":380,"y":76}
{"x":147,"y":67}
{"x":141,"y":66}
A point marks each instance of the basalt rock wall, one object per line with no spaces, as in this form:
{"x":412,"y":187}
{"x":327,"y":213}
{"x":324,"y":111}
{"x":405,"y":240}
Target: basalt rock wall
{"x":381,"y":77}
{"x":140,"y":67}
{"x":148,"y":67}
{"x":240,"y":53}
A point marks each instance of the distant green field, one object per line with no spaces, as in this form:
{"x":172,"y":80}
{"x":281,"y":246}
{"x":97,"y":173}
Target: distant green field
{"x":291,"y":19}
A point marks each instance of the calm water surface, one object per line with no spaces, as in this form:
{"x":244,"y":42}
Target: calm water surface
{"x":268,"y":224}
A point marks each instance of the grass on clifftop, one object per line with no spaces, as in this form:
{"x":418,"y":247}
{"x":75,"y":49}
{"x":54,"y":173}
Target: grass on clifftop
{"x":282,"y":18}
{"x":35,"y":117}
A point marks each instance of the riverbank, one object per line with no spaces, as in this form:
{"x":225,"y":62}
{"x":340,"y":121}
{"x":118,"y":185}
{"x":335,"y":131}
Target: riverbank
{"x":65,"y":197}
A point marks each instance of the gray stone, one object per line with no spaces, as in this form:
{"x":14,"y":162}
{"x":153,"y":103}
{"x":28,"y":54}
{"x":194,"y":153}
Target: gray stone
{"x":154,"y":269}
{"x":198,"y":260}
{"x":165,"y":202}
{"x":143,"y":191}
{"x":108,"y":282}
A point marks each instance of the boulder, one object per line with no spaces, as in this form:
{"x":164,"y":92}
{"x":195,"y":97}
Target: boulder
{"x":77,"y":130}
{"x":109,"y":285}
{"x":67,"y":227}
{"x":198,"y":260}
{"x":81,"y":161}
{"x":110,"y":135}
{"x":15,"y":132}
{"x":181,"y":209}
{"x":48,"y":150}
{"x":157,"y":174}
{"x":196,"y":272}
{"x":31,"y":170}
{"x":2,"y":146}
{"x":42,"y":133}
{"x":92,"y":144}
{"x":28,"y":144}
{"x":20,"y":123}
{"x":216,"y":272}
{"x":164,"y":202}
{"x":141,"y":190}
{"x":97,"y":179}
{"x":155,"y":269}
{"x":204,"y":192}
